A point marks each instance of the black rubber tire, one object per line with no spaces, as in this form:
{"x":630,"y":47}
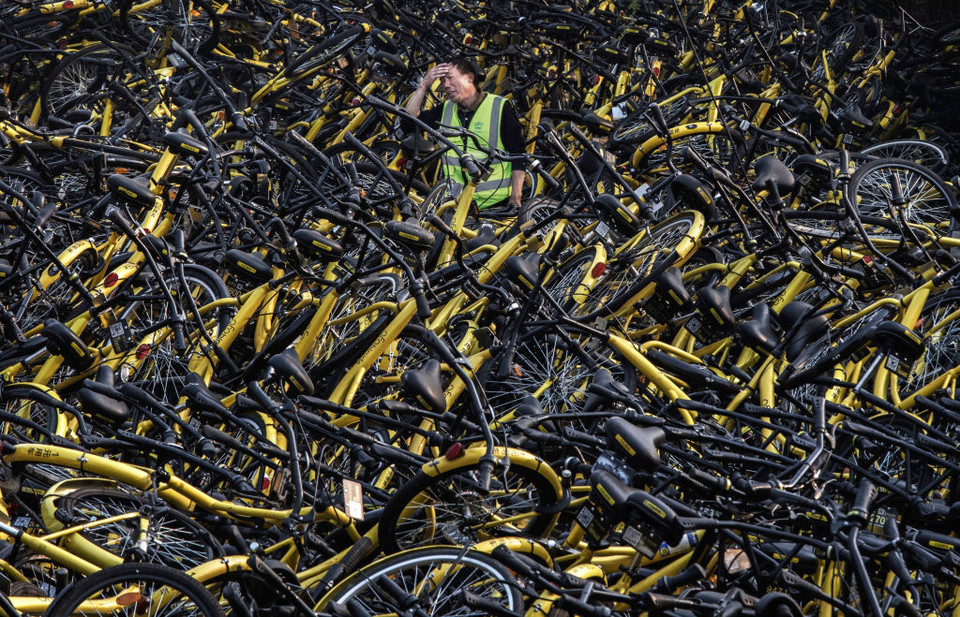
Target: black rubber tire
{"x":455,"y":485}
{"x":492,"y":580}
{"x":188,"y":594}
{"x":929,"y":200}
{"x":177,"y":541}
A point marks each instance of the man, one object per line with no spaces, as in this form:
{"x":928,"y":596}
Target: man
{"x":488,"y":116}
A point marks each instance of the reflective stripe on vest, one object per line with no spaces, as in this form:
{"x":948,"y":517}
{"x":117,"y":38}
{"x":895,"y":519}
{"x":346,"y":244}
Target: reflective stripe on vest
{"x":485,"y":124}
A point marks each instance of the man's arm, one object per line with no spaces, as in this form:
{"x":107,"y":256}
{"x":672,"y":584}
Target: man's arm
{"x":516,"y":187}
{"x":511,"y":134}
{"x":415,"y":102}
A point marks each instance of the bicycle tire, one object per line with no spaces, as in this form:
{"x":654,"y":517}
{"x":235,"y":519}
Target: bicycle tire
{"x":940,"y":331}
{"x":918,"y":151}
{"x":80,"y":81}
{"x":35,"y":406}
{"x":713,"y":142}
{"x":408,"y":521}
{"x":630,"y":273}
{"x":176,"y":540}
{"x":465,"y":569}
{"x":156,"y":366}
{"x":177,"y":593}
{"x":194,"y":24}
{"x":929,"y":200}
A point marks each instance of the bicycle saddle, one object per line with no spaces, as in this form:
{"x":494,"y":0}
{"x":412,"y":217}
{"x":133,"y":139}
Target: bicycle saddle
{"x":714,"y":303}
{"x":602,"y":390}
{"x":425,"y":385}
{"x":248,"y":266}
{"x":617,"y":215}
{"x":99,"y":403}
{"x":200,"y":398}
{"x":392,"y":62}
{"x":562,"y":31}
{"x":770,"y":169}
{"x":900,"y":339}
{"x":134,"y":192}
{"x":486,"y":235}
{"x":636,"y":506}
{"x":801,"y":107}
{"x":612,"y":54}
{"x":288,"y":368}
{"x":316,"y":245}
{"x":818,"y":168}
{"x":383,"y":41}
{"x":761,"y":331}
{"x":596,"y":122}
{"x":529,"y":407}
{"x":524,"y":269}
{"x":670,"y":297}
{"x":184,"y":145}
{"x":639,"y":444}
{"x":853,"y":116}
{"x":62,"y":341}
{"x":416,"y":145}
{"x":694,"y":195}
{"x":692,"y":373}
{"x":811,"y":328}
{"x":410,"y":234}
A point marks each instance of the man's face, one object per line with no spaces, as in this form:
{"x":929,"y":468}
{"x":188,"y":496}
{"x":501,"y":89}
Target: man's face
{"x":458,"y":86}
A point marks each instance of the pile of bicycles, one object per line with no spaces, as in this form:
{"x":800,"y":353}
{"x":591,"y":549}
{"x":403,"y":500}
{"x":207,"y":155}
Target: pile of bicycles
{"x":259,"y":358}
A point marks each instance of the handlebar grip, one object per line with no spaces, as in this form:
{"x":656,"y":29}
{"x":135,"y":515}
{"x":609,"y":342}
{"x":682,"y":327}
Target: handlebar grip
{"x":470,"y":165}
{"x":687,"y":576}
{"x":942,"y":278}
{"x":547,"y":178}
{"x":439,"y":223}
{"x":485,"y":606}
{"x":581,"y":608}
{"x":484,"y":476}
{"x":260,"y":397}
{"x":179,"y":340}
{"x":691,"y":156}
{"x":288,"y":242}
{"x":117,"y":218}
{"x":348,"y":563}
{"x":866,"y":494}
{"x":239,"y":122}
{"x":656,"y":115}
{"x":423,"y":307}
{"x":177,"y":240}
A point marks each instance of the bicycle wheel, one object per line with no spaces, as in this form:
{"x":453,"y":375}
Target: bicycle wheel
{"x":556,"y":369}
{"x":636,"y":127}
{"x":574,"y":278}
{"x":927,"y":198}
{"x":431,"y":576}
{"x":82,"y":81}
{"x":940,"y":328}
{"x":35,"y":406}
{"x":174,"y":539}
{"x":154,"y":364}
{"x":136,"y":588}
{"x":713,"y":142}
{"x":629,"y":273}
{"x":925,"y":153}
{"x":451,"y":508}
{"x":52,"y":295}
{"x":192,"y":23}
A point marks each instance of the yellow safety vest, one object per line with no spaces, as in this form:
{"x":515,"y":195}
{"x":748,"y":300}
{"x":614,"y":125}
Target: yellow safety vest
{"x":485,"y":124}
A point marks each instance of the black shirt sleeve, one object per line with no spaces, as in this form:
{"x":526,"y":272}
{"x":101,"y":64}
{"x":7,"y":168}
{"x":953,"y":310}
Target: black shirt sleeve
{"x":430,"y":117}
{"x":511,"y":134}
